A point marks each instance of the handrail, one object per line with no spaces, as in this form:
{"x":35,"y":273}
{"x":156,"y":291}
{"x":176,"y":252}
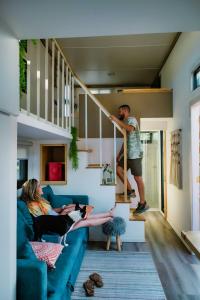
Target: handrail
{"x":86,"y":90}
{"x":105,"y":111}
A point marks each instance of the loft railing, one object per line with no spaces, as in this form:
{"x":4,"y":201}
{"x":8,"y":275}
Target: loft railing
{"x":49,"y":94}
{"x":54,"y":97}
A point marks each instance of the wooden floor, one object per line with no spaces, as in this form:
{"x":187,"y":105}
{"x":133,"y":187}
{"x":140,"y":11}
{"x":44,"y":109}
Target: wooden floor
{"x":179,"y":271}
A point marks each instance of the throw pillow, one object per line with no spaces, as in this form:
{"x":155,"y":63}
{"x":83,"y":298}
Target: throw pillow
{"x":47,"y":192}
{"x":60,"y":200}
{"x":48,"y":252}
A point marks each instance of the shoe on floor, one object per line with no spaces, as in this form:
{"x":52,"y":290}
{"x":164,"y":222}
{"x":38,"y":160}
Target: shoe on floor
{"x":97,"y":279}
{"x":88,"y":286}
{"x":142,"y":207}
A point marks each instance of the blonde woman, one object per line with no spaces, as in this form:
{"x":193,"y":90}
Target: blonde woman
{"x":38,"y":206}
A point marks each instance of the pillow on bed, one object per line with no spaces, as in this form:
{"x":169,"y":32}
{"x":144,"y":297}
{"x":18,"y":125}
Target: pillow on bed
{"x":48,"y":252}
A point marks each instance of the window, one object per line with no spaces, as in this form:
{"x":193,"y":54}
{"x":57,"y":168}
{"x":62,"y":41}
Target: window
{"x":146,"y":137}
{"x":196,"y":78}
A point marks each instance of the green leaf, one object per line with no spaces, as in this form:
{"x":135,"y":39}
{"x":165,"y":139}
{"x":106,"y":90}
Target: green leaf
{"x":73,"y":150}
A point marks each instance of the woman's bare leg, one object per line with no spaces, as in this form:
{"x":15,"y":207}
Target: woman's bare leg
{"x":90,"y":222}
{"x":110,"y":213}
{"x":99,"y":216}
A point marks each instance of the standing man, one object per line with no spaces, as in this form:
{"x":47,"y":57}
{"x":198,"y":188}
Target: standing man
{"x":134,"y":155}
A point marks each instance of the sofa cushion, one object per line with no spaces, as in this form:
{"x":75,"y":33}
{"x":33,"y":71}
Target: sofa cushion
{"x":47,"y":192}
{"x":24,"y":249}
{"x":81,"y":199}
{"x":58,"y":278}
{"x":78,"y":234}
{"x":21,"y":205}
{"x":81,"y":233}
{"x":59,"y":200}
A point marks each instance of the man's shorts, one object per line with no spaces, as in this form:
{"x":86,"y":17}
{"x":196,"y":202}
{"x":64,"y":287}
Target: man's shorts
{"x":135,"y":165}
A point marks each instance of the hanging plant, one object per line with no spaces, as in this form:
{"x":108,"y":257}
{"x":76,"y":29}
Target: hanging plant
{"x":73,"y":150}
{"x":22,"y":64}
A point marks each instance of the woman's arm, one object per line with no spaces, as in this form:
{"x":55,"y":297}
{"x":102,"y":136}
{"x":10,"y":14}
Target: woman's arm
{"x":58,"y":210}
{"x":68,"y":207}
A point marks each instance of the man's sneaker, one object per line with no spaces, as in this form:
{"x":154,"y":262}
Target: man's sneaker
{"x":142,"y":207}
{"x":130,"y":193}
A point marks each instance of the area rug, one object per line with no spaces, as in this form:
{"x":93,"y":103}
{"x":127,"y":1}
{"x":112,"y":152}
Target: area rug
{"x":126,"y":275}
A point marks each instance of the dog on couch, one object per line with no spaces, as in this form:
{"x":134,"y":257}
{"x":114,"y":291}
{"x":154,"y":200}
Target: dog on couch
{"x":60,"y":224}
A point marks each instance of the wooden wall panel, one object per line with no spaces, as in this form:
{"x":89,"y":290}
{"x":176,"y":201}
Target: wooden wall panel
{"x":143,"y":105}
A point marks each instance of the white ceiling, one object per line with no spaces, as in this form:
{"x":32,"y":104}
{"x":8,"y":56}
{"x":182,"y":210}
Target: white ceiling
{"x":78,"y":18}
{"x":117,"y":60}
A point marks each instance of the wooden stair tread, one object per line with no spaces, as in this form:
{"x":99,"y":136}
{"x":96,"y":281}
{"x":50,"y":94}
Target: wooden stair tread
{"x":136,"y":217}
{"x":192,"y":239}
{"x":119,"y":198}
{"x":85,"y":150}
{"x":94,"y":166}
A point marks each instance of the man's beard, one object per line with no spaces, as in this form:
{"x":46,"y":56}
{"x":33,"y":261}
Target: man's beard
{"x":121,"y":117}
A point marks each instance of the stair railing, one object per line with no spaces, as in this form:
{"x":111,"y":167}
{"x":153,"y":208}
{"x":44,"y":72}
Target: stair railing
{"x":62,"y":100}
{"x":102,"y":109}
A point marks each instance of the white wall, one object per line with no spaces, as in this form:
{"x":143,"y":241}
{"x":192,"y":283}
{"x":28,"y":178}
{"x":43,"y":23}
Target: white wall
{"x":9,"y":70}
{"x":176,"y":74}
{"x":9,"y":99}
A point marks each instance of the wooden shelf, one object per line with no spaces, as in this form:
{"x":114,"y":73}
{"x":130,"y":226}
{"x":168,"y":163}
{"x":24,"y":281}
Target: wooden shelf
{"x":51,"y":153}
{"x":53,"y":182}
{"x":85,"y":150}
{"x":94,"y":166}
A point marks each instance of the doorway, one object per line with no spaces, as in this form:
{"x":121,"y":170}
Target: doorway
{"x":151,"y":165}
{"x":195,"y":163}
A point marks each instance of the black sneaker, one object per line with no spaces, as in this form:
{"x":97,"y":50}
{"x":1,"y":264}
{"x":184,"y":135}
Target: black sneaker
{"x":130,"y":193}
{"x":142,"y":207}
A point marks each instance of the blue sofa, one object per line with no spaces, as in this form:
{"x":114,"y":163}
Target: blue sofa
{"x":34,"y":279}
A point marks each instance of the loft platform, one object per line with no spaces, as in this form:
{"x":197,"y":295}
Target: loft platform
{"x":29,"y":126}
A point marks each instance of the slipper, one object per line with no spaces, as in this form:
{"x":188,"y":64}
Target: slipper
{"x":88,"y":286}
{"x":97,"y":279}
